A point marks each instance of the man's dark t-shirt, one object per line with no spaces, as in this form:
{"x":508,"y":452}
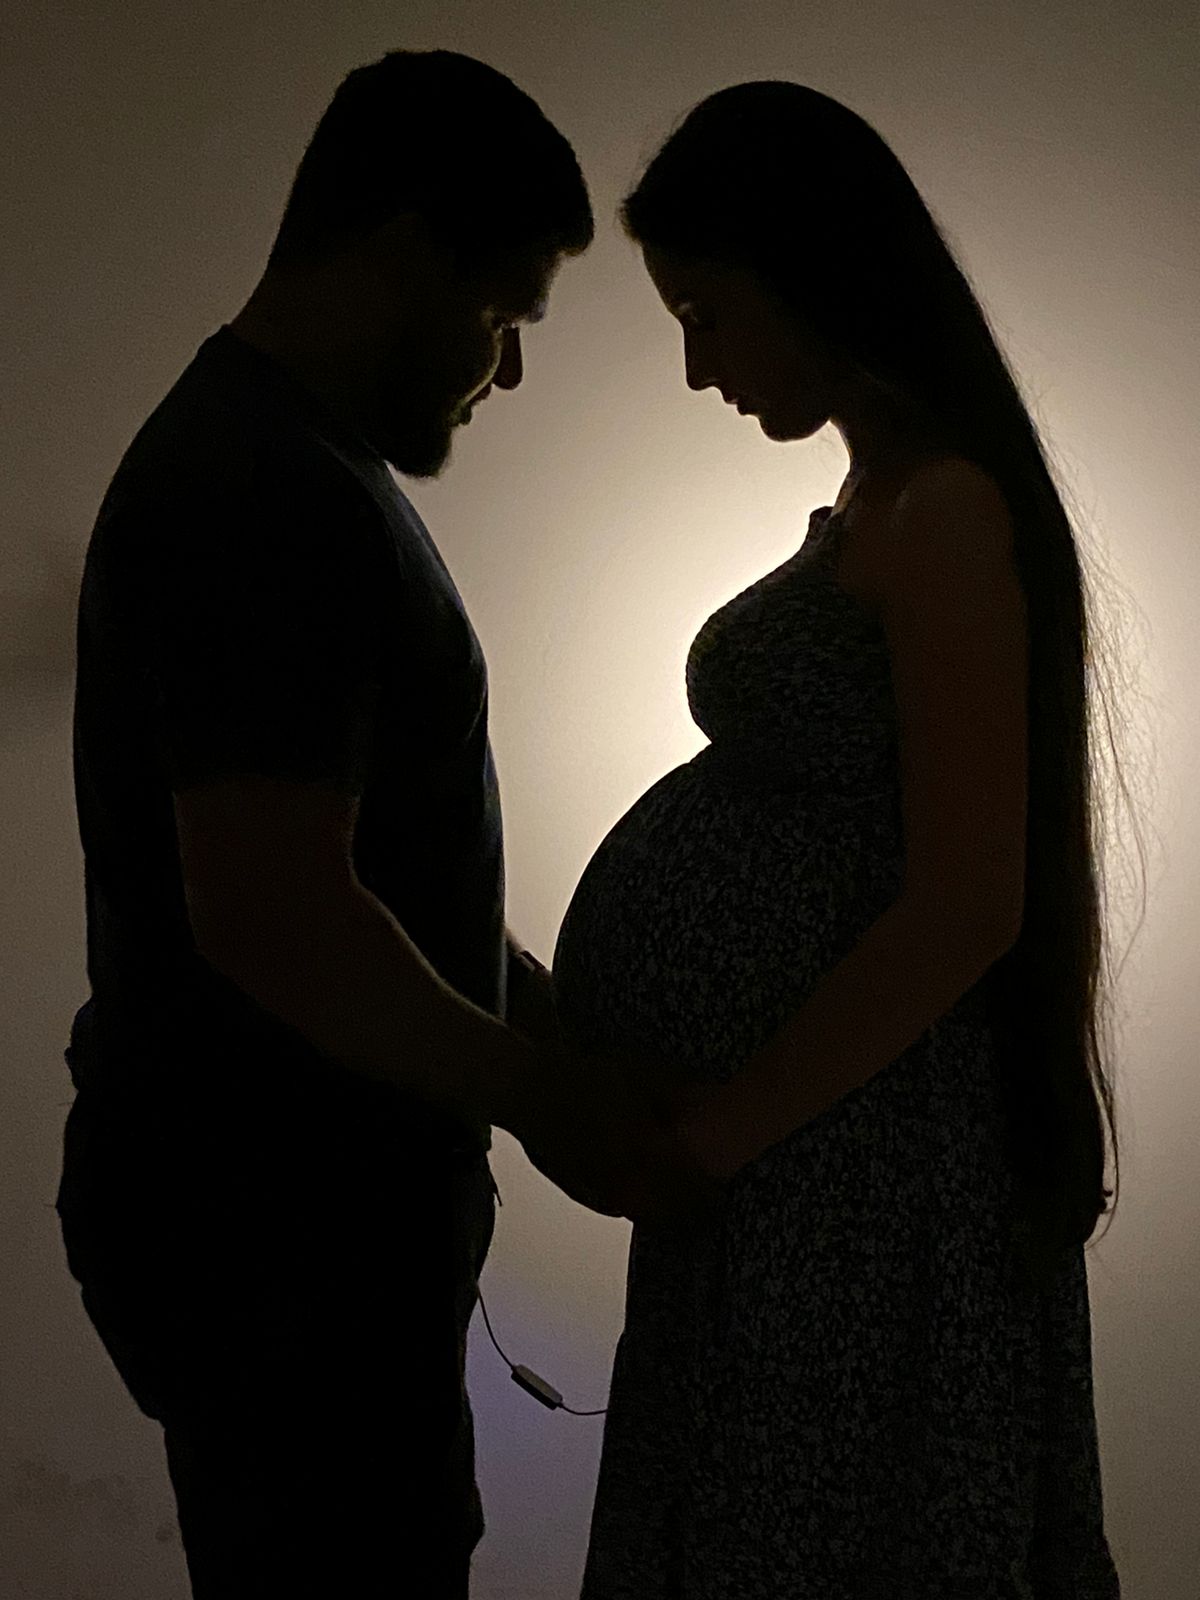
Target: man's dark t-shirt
{"x":260,"y":598}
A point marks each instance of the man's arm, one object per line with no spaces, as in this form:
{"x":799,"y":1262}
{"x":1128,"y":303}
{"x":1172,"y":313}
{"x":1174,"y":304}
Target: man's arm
{"x":276,"y":907}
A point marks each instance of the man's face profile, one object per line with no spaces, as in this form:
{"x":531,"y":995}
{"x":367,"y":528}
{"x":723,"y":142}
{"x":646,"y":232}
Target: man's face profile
{"x":446,"y":352}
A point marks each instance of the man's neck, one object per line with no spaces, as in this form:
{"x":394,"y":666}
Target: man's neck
{"x":313,"y":345}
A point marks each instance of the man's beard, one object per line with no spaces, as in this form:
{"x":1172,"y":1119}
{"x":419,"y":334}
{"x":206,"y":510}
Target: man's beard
{"x":421,"y":451}
{"x":414,"y":423}
{"x":417,"y":442}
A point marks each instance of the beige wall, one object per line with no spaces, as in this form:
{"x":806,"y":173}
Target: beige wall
{"x":593,"y":520}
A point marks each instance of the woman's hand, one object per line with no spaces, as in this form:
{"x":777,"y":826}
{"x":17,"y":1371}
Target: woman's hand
{"x":608,"y":1134}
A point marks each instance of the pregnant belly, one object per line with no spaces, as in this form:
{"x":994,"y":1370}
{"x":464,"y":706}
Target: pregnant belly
{"x":708,"y":913}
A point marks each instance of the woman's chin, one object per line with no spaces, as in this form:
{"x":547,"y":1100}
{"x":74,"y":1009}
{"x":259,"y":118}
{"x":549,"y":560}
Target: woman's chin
{"x":786,"y":430}
{"x":778,"y":430}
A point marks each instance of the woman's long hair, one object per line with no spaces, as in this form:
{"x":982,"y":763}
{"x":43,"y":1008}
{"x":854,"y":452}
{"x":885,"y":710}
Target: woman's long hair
{"x":785,"y":181}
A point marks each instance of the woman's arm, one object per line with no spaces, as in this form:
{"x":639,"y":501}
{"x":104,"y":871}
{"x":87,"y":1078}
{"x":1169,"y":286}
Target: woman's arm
{"x":906,"y":972}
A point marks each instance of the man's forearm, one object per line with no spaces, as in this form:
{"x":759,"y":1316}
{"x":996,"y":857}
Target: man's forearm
{"x":346,"y":976}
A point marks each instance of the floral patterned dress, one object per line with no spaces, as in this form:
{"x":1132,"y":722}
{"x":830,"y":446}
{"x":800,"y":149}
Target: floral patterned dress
{"x":835,"y":1390}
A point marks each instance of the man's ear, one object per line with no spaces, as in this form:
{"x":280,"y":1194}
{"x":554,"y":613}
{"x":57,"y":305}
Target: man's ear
{"x":410,"y":247}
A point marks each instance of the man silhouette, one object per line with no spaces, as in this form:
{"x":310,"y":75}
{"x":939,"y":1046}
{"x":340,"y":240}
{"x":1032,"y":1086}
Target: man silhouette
{"x":276,"y":1194}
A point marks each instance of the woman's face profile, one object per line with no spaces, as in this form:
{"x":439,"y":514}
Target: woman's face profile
{"x":739,"y":338}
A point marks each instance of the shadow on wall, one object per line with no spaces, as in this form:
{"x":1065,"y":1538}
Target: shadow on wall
{"x":62,"y":1537}
{"x":39,"y":593}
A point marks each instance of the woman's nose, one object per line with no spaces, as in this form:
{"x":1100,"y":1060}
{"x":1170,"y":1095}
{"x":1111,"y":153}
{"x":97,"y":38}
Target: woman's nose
{"x":698,"y":373}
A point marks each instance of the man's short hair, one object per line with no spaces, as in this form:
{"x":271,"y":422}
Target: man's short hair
{"x":445,"y":136}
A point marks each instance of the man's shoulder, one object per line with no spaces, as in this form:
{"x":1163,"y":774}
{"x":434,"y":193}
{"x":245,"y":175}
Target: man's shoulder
{"x":211,"y":454}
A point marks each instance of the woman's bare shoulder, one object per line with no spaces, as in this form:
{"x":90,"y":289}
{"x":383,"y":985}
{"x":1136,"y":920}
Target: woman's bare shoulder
{"x":927,"y":493}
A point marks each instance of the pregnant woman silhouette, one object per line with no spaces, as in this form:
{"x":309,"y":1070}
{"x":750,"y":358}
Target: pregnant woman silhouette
{"x":853,"y":942}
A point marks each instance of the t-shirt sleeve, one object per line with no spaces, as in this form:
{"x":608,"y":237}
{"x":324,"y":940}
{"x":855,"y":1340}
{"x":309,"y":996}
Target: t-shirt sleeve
{"x":258,"y":624}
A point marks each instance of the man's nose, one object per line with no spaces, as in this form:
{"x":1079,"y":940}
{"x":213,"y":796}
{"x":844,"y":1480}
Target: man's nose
{"x":511,"y":369}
